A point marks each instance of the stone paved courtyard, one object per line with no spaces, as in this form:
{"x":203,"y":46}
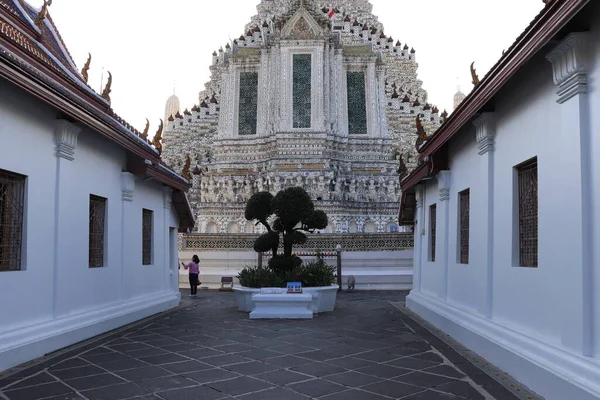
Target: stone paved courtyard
{"x":367,"y":349}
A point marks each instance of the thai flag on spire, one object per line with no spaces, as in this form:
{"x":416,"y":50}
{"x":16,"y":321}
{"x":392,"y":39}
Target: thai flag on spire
{"x":331,"y":13}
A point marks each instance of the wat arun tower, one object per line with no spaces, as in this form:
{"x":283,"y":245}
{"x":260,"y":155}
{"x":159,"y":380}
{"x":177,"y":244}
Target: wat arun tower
{"x":312,"y":94}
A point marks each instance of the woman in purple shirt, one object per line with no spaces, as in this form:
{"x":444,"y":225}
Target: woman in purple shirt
{"x":194,"y":271}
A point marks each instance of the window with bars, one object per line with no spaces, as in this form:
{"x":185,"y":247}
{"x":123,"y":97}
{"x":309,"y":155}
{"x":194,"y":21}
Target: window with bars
{"x":464,"y":199}
{"x":147,"y":217}
{"x":12,"y":207}
{"x":432,"y":225}
{"x":248,"y":103}
{"x":357,"y":107}
{"x":97,"y":229}
{"x":528,"y":213}
{"x":302,"y":86}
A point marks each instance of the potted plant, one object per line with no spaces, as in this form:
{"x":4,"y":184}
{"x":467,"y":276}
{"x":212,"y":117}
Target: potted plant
{"x":295,"y":215}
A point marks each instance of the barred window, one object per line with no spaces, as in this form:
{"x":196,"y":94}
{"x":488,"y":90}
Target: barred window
{"x":97,"y":228}
{"x":302,"y":86}
{"x":357,"y":107}
{"x":528,"y":213}
{"x":465,"y":198}
{"x":432,"y":223}
{"x":248,"y":103}
{"x":147,"y":217}
{"x":12,"y":205}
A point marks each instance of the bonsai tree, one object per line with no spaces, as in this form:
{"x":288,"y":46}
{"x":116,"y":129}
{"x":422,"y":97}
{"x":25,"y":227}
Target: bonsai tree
{"x":295,"y":214}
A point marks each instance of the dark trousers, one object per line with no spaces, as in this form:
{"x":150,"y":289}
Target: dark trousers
{"x":193,"y":283}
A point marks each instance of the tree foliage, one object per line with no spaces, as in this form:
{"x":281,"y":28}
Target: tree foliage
{"x":295,"y":213}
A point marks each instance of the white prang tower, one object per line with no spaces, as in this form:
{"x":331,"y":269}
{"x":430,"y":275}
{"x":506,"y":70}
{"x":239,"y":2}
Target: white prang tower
{"x":312,"y":94}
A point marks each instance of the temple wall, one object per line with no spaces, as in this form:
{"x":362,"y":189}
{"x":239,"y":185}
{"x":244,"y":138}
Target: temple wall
{"x":378,"y":262}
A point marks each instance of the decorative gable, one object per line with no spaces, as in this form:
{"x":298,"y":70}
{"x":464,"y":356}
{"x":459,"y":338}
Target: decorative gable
{"x":302,"y":25}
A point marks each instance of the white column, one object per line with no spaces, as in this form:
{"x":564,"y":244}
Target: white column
{"x":418,"y":245}
{"x":442,"y":229}
{"x":65,"y":135}
{"x":371,"y":99}
{"x":483,"y":210}
{"x":128,"y":191}
{"x":569,"y":63}
{"x":168,"y":268}
{"x":263,"y":93}
{"x":382,"y":102}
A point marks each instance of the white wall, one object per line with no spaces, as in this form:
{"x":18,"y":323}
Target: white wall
{"x":56,"y":300}
{"x":381,"y":270}
{"x":540,"y":324}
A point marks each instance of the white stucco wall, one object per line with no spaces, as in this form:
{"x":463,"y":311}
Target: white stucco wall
{"x":542,"y":324}
{"x":56,"y":300}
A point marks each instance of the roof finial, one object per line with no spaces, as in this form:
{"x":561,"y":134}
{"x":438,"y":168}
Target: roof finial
{"x":39,"y":21}
{"x":106,"y":92}
{"x":474,"y":74}
{"x":86,"y":68}
{"x":174,"y":85}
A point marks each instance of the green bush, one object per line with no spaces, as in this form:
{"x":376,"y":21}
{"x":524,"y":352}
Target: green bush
{"x":258,"y":277}
{"x":285,"y":264}
{"x":316,"y":274}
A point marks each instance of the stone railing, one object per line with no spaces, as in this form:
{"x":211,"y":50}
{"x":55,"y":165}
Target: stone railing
{"x":316,"y":242}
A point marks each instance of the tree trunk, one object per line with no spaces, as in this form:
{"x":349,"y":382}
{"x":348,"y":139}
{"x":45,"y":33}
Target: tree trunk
{"x":287,"y":245}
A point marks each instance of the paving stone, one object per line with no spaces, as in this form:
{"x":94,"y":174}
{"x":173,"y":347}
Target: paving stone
{"x":259,"y":354}
{"x":432,"y":395}
{"x":93,"y":382}
{"x":38,"y":392}
{"x":103,"y":358}
{"x":153,"y":351}
{"x":429,"y":356}
{"x":163,"y":359}
{"x":445,"y":370}
{"x":352,"y":379}
{"x":234,"y":348}
{"x":354,"y":394}
{"x":137,"y":374}
{"x":124,"y":365}
{"x":350,"y":363}
{"x":283,"y":377}
{"x":98,"y":350}
{"x":317,"y":388}
{"x":377,"y":356}
{"x":392,"y":389}
{"x":291,"y":349}
{"x":318,"y":369}
{"x":227,"y":359}
{"x":116,"y":392}
{"x":33,"y":381}
{"x":80,"y":372}
{"x":124,"y":348}
{"x":423,"y":379}
{"x":251,"y":368}
{"x":274,"y":394}
{"x":462,"y":389}
{"x":68,"y":396}
{"x":412,"y":363}
{"x":166,"y":383}
{"x":287,"y":361}
{"x":211,"y":375}
{"x":239,"y":386}
{"x":186,"y":366}
{"x":71,"y":363}
{"x":192,"y":393}
{"x":383,"y":371}
{"x":201,"y":353}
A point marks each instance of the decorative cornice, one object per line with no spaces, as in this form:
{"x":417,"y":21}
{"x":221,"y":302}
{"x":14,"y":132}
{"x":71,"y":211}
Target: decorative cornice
{"x":66,"y":134}
{"x":485,"y":126}
{"x":569,"y":64}
{"x":443,"y":178}
{"x":128,"y":186}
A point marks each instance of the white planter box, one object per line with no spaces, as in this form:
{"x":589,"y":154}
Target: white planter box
{"x":323,"y":298}
{"x":282,"y":306}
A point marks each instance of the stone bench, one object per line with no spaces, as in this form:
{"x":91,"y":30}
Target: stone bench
{"x":282,"y":306}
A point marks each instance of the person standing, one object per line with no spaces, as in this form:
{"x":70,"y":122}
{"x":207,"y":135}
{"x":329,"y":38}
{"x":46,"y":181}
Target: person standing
{"x":194,"y":271}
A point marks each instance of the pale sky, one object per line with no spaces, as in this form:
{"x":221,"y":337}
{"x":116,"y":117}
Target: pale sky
{"x":147,"y":45}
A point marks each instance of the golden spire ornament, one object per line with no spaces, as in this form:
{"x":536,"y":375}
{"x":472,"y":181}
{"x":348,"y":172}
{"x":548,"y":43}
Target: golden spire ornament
{"x":474,"y":74}
{"x":86,"y":68}
{"x":107,"y":90}
{"x":157,"y":138}
{"x":185,"y":172}
{"x":422,"y":135}
{"x":146,"y":129}
{"x":39,"y":20}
